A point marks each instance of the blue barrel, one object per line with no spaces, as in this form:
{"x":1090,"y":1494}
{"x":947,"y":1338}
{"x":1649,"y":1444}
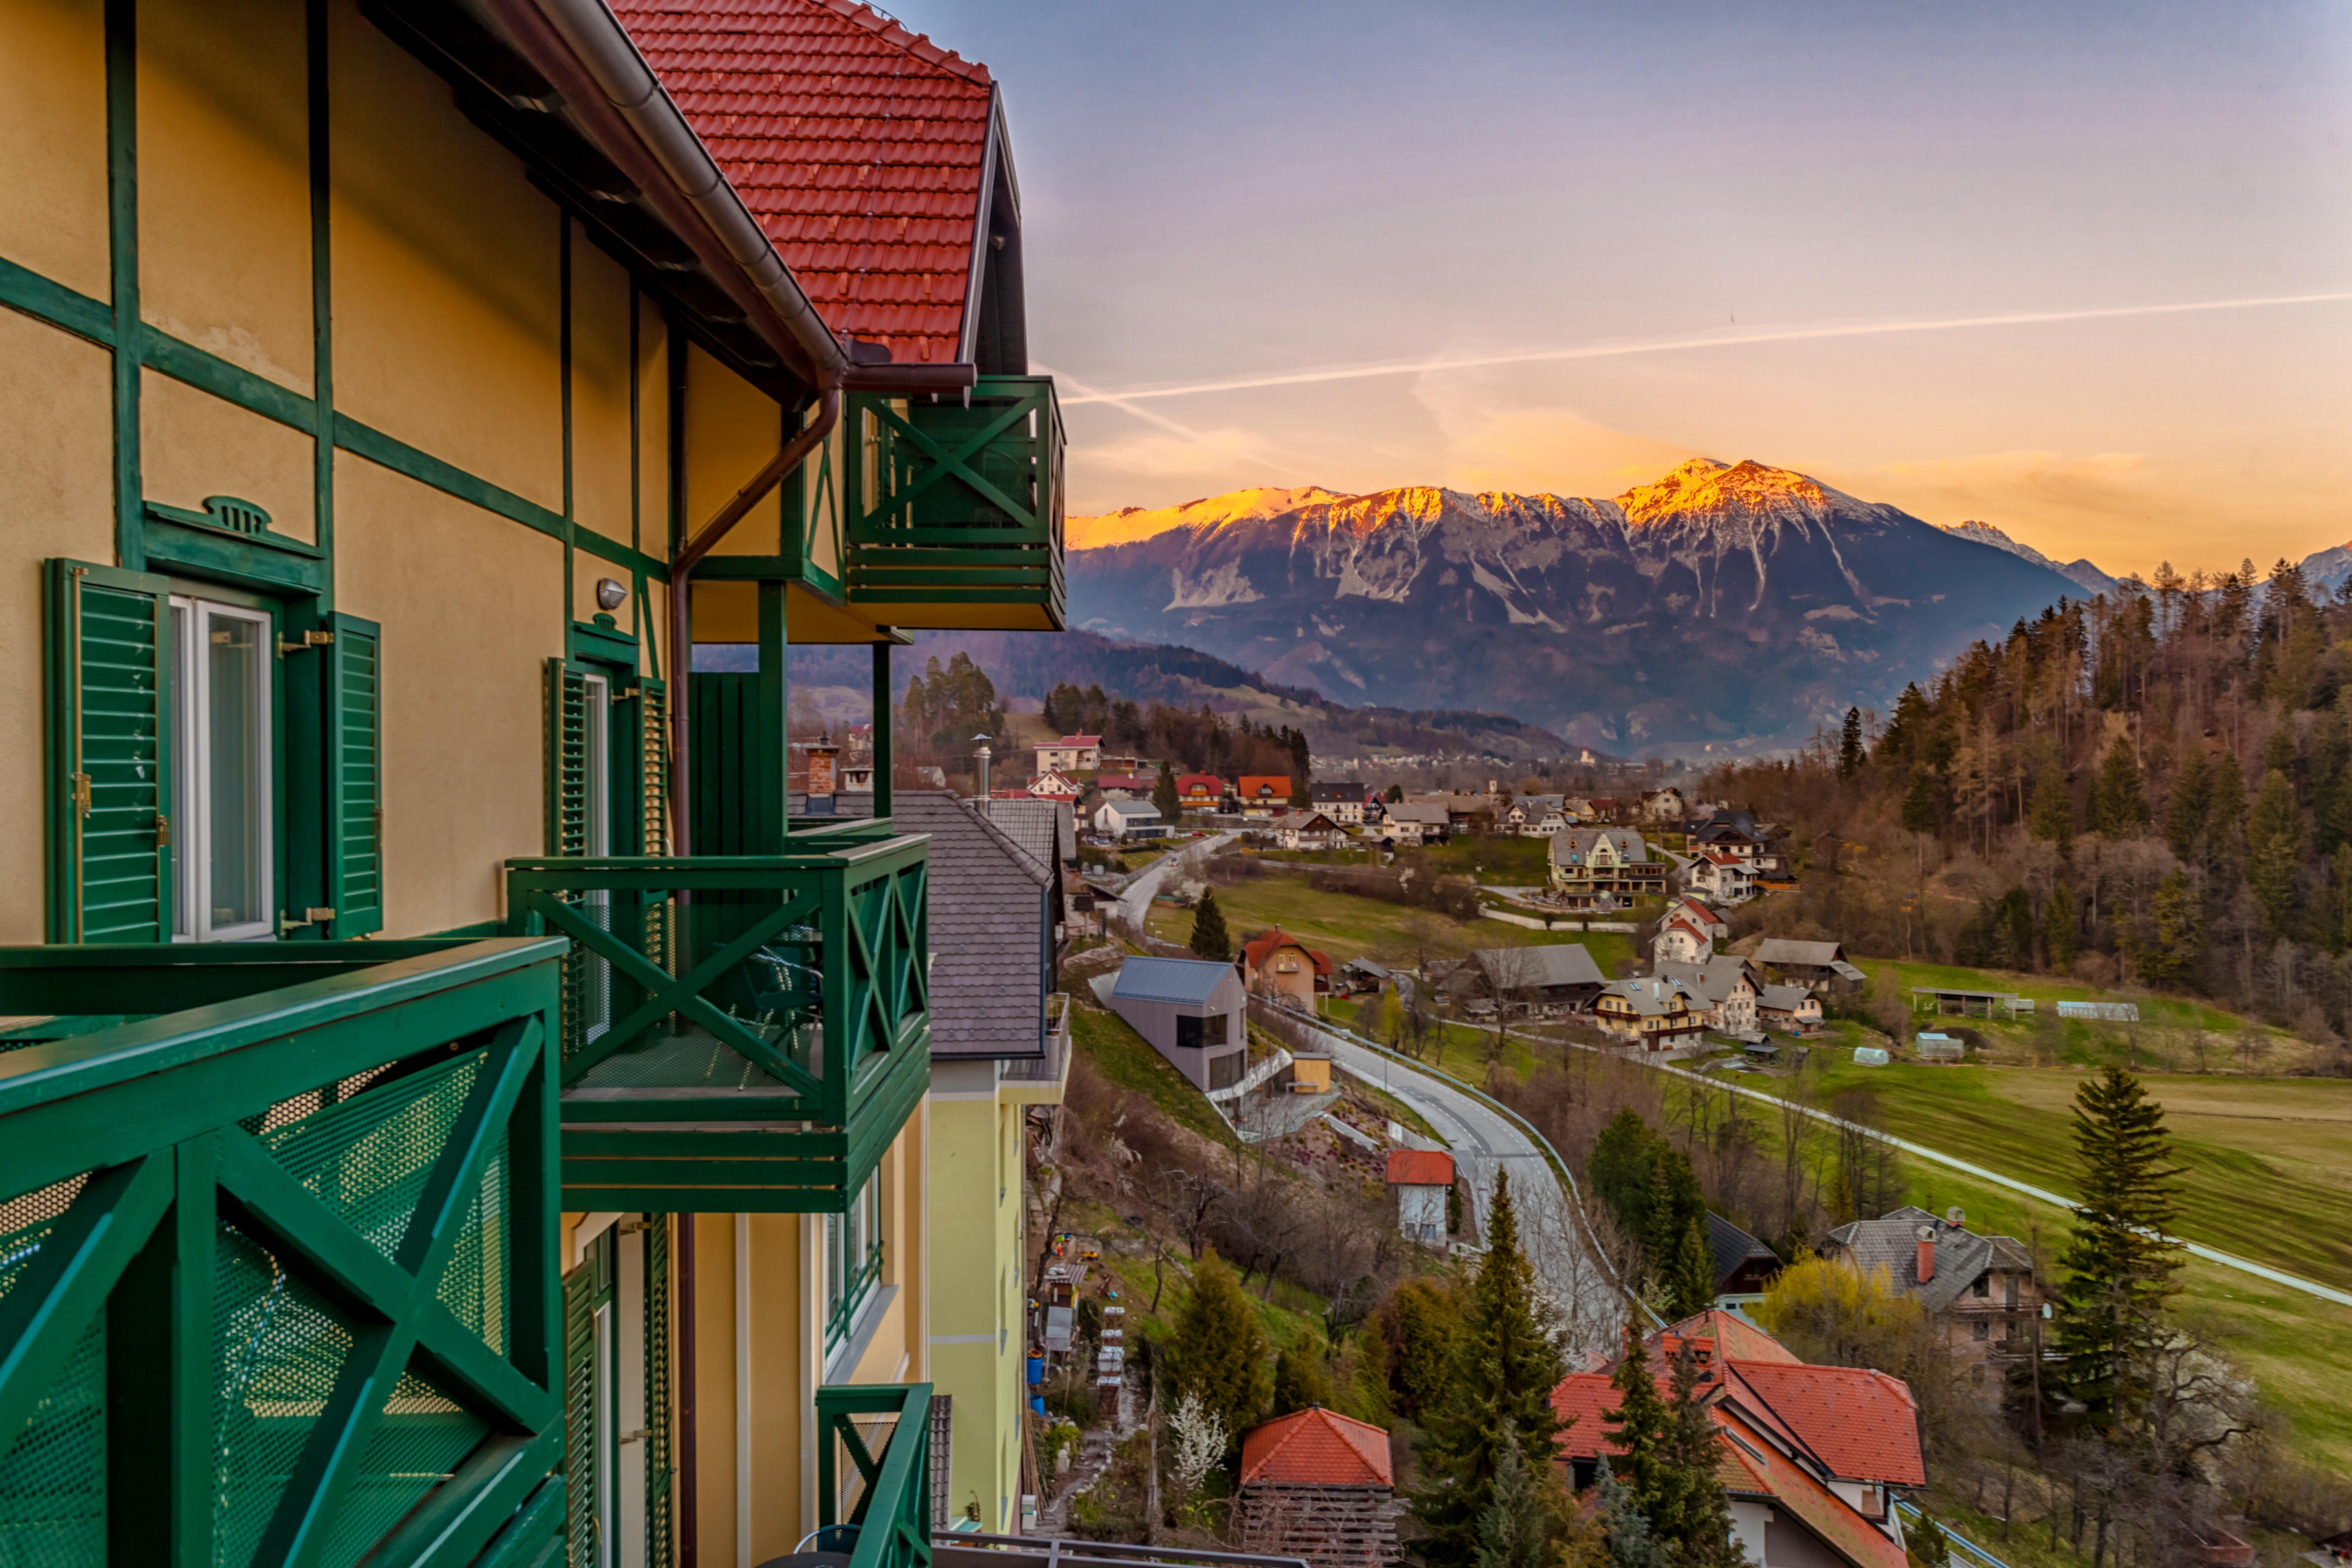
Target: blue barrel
{"x":1036,"y":1370}
{"x":1037,"y":1402}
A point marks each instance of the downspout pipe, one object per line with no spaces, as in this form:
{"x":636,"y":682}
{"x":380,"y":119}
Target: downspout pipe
{"x":789,"y":457}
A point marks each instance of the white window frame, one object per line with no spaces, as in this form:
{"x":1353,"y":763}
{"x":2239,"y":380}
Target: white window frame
{"x":191,"y":770}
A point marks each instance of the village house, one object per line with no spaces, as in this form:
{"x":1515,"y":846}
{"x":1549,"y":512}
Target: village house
{"x":1726,"y":987}
{"x":1722,"y":875}
{"x":1319,"y":1486}
{"x":1688,"y":932}
{"x":1054,"y":786}
{"x":1523,"y":813}
{"x":1732,"y":833}
{"x":1462,"y":811}
{"x":1275,"y":963}
{"x":1820,"y":966}
{"x":1125,"y":786}
{"x":1307,"y":830}
{"x":1344,"y":799}
{"x":1665,"y":807}
{"x":1980,"y":1289}
{"x":1655,"y":1012}
{"x":1071,"y":753}
{"x":1262,"y":794}
{"x":1422,"y":1180}
{"x":1790,"y":1009}
{"x":1814,"y":1456}
{"x":1201,"y":792}
{"x":1744,"y":1266}
{"x":1555,"y":976}
{"x":1604,"y":869}
{"x":1413,"y":824}
{"x":1123,"y":819}
{"x":1194,"y":1011}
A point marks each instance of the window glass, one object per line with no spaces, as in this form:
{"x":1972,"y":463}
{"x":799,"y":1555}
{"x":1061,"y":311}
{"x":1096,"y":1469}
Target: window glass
{"x":234,"y":766}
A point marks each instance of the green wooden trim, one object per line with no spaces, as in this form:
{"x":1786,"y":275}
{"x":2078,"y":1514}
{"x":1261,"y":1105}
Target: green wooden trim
{"x":239,"y":520}
{"x":123,"y":265}
{"x":317,"y":43}
{"x":244,"y":562}
{"x":27,"y":292}
{"x":603,"y":640}
{"x":885,"y":716}
{"x":480,"y":1500}
{"x":68,"y":1280}
{"x":196,"y":1245}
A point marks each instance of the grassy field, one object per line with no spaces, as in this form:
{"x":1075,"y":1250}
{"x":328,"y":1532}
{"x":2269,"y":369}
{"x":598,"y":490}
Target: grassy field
{"x":1127,"y":1059}
{"x":2168,"y":1013}
{"x":1347,"y":926}
{"x":2297,"y":1348}
{"x":2268,"y":1160}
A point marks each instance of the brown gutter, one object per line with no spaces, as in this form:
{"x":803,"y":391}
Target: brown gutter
{"x":789,"y":456}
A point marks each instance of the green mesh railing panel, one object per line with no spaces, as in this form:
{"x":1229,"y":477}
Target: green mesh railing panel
{"x":53,"y":1474}
{"x":282,"y":1345}
{"x":368,"y":1157}
{"x":474,"y":1286}
{"x":423,"y":1436}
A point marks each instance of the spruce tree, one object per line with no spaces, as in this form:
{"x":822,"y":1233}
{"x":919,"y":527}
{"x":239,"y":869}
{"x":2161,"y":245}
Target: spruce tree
{"x":1516,"y":1529}
{"x":2192,"y":795}
{"x":2121,"y":1262}
{"x":1506,"y":1362}
{"x":1163,"y":796}
{"x":1693,"y":1519}
{"x":1850,"y":754}
{"x":2275,"y":850}
{"x":1908,"y":727}
{"x":1298,"y":1381}
{"x":2225,"y":823}
{"x":1624,"y":1526}
{"x":1621,"y":1170}
{"x":2117,"y":806}
{"x":1922,"y":803}
{"x":1218,"y":1349}
{"x":1690,"y":1281}
{"x":1210,"y":938}
{"x":2058,"y":923}
{"x":1638,"y":1426}
{"x":2051,"y":813}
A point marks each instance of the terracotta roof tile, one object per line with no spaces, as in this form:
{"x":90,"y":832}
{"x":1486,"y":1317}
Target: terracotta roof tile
{"x":1317,"y":1447}
{"x":1420,"y":1168}
{"x":1256,"y":949}
{"x":1863,"y":1425}
{"x":856,"y":145}
{"x":1752,"y":1466}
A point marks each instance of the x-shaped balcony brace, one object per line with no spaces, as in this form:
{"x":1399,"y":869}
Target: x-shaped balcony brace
{"x":957,"y":463}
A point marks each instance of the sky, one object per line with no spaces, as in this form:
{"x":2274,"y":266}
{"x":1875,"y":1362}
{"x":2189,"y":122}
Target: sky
{"x":1216,"y":192}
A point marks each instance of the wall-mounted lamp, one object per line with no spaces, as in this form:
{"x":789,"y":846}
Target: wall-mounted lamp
{"x":610,"y":595}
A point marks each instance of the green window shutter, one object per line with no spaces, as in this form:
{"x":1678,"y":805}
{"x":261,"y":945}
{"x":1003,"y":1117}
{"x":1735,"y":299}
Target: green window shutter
{"x":355,"y":767}
{"x":108,"y":755}
{"x":567,"y":759}
{"x":580,"y":1414}
{"x":653,"y":766}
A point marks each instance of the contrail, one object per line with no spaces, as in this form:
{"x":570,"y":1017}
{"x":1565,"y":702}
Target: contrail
{"x":1666,"y":345}
{"x":1117,"y":400}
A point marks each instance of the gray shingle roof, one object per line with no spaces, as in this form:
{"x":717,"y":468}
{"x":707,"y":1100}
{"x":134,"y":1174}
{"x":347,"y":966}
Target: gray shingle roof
{"x":989,"y":932}
{"x":1731,"y":1247}
{"x":1713,"y":980}
{"x":1629,"y":844}
{"x":1653,"y":998}
{"x":1180,"y":980}
{"x":1042,"y":828}
{"x":1891,"y":1242}
{"x":1551,"y":963}
{"x":1781,"y":998}
{"x":1780,"y":950}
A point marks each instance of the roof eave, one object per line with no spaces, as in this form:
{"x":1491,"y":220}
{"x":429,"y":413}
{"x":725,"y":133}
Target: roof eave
{"x":995,"y":149}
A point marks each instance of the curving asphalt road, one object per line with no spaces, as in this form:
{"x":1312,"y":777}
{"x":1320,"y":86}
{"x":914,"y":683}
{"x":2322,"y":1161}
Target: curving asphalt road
{"x":1136,"y":902}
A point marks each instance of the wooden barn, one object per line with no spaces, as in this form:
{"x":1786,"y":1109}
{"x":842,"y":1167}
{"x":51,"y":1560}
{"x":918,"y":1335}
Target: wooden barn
{"x":1320,"y":1485}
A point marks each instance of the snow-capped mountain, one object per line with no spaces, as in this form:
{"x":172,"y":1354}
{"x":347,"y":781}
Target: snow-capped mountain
{"x":2080,"y":572}
{"x":1730,"y":605}
{"x":2324,"y":571}
{"x":1130,"y":523}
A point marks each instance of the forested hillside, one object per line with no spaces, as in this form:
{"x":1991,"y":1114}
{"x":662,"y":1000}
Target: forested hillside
{"x":2154,"y":787}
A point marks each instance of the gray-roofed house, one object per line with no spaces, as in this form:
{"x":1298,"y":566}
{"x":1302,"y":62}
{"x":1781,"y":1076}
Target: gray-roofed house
{"x":1415,"y":822}
{"x":1550,"y":974}
{"x":995,"y":955}
{"x":1047,"y":830}
{"x":1726,"y":985}
{"x":1791,"y":1009}
{"x":1744,"y":1266}
{"x":1980,"y":1290}
{"x":1603,"y":868}
{"x":1316,"y":829}
{"x":1655,"y":1014}
{"x":1129,"y":820}
{"x":1816,"y":965}
{"x":1191,"y":1010}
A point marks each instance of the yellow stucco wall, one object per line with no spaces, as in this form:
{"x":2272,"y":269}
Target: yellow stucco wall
{"x":600,"y":390}
{"x":224,"y":181}
{"x":53,"y":124}
{"x":447,"y":319}
{"x":54,"y":402}
{"x":469,"y":607}
{"x":193,"y":445}
{"x":731,"y":429}
{"x":977,"y":1341}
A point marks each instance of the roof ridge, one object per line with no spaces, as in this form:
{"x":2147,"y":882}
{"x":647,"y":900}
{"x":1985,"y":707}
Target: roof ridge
{"x":891,"y":30}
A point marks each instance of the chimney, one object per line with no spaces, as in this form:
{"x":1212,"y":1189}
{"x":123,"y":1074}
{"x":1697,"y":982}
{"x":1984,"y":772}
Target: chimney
{"x":1955,"y":1218}
{"x":983,"y":754}
{"x":1926,"y":1252}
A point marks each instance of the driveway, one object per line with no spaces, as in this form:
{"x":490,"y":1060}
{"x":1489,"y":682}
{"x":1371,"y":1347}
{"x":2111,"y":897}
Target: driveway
{"x":1136,"y":902}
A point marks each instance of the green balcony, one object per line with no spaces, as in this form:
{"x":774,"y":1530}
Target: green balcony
{"x":954,"y":508}
{"x":874,"y":1473}
{"x":741,"y":1034}
{"x":278,"y":1258}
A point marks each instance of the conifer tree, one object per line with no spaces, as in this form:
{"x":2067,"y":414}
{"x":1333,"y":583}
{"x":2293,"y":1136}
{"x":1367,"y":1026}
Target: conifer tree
{"x":1218,"y":1351}
{"x":1516,"y":1529}
{"x":1638,"y":1426}
{"x":1908,"y":727}
{"x":1694,"y":1519}
{"x":1850,"y":754}
{"x":1506,"y":1362}
{"x":2117,"y":806}
{"x":1691,"y":1281}
{"x":2052,"y":814}
{"x":2225,"y":822}
{"x":2192,"y":795}
{"x":1921,"y":806}
{"x":1210,"y":938}
{"x":2167,"y":955}
{"x":1163,"y":794}
{"x":2058,"y":923}
{"x":1624,"y":1527}
{"x":2275,"y":850}
{"x":2121,"y":1262}
{"x":1298,"y":1381}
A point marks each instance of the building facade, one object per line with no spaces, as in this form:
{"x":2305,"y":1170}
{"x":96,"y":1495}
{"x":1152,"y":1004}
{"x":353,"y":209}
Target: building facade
{"x":430,"y":434}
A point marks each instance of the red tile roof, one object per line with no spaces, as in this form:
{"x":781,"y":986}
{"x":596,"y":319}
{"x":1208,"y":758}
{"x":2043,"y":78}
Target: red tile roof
{"x":1256,"y":951}
{"x":1736,"y":1338}
{"x":1094,"y":741}
{"x":1863,"y":1425}
{"x":1754,"y":1468}
{"x":1273,"y":784}
{"x":1420,"y":1168}
{"x":858,"y":146}
{"x":1200,"y":783}
{"x":1317,"y":1447}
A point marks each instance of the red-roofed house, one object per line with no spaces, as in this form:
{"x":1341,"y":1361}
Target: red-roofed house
{"x":1276,"y":964}
{"x":1200,"y":792}
{"x":1055,"y":784}
{"x":1264,"y":794}
{"x":1318,"y":1485}
{"x":1726,"y":878}
{"x":1125,"y":786}
{"x":1081,"y":754}
{"x":1811,"y":1454}
{"x":1422,"y":1180}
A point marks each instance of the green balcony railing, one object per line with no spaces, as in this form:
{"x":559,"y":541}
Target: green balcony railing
{"x":874,"y":1472}
{"x":954,"y":507}
{"x":740,"y":1034}
{"x":278,"y":1257}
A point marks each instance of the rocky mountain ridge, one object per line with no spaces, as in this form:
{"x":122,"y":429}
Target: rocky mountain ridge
{"x":2079,"y":572}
